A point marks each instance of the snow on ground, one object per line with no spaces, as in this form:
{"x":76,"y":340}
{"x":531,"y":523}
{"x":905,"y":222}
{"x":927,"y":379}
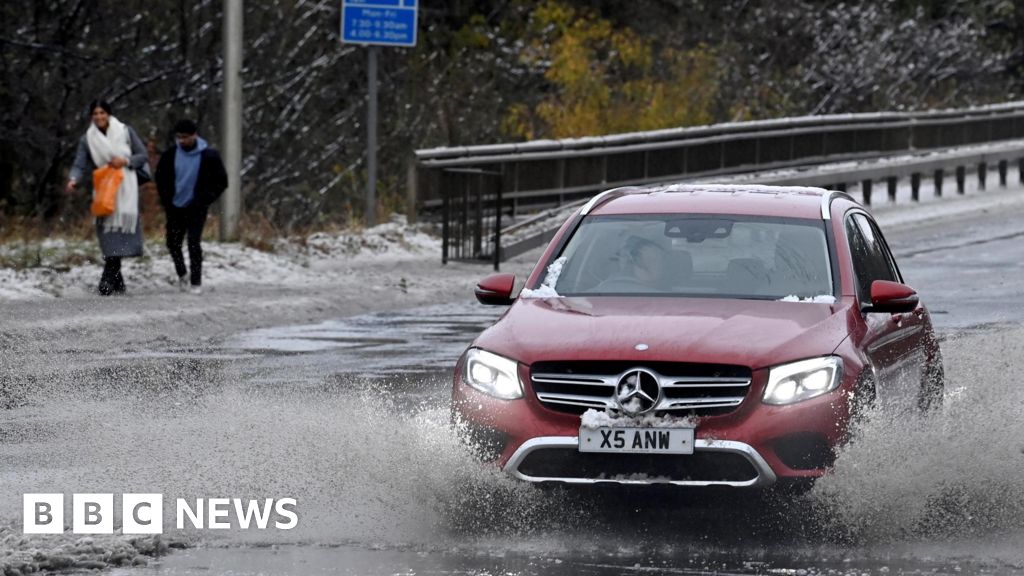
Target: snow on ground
{"x":58,"y":267}
{"x":395,"y":240}
{"x":20,"y":554}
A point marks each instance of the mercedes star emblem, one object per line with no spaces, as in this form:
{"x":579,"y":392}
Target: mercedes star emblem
{"x":638,"y":392}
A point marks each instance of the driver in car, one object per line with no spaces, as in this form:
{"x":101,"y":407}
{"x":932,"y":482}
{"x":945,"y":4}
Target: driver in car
{"x":643,"y":267}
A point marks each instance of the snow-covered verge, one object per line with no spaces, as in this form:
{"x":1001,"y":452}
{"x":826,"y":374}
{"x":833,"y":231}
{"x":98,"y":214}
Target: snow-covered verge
{"x":395,"y":239}
{"x":20,"y":554}
{"x":59,"y":267}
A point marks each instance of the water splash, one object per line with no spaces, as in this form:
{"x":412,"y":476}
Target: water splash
{"x":956,"y":472}
{"x":374,"y":463}
{"x":361,"y":468}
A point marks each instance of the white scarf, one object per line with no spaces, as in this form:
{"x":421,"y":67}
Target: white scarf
{"x":103,"y":148}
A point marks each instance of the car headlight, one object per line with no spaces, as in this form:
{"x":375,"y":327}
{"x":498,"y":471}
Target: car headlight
{"x":798,"y":381}
{"x":492,"y":374}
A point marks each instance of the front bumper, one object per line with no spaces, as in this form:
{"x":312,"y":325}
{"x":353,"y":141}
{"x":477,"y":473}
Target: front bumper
{"x":751,"y":447}
{"x":764,"y":476}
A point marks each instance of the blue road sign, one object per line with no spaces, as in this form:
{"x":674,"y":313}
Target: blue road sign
{"x":380,"y":22}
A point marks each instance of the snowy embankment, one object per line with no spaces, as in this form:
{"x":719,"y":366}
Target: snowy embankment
{"x":59,"y":268}
{"x":20,"y":554}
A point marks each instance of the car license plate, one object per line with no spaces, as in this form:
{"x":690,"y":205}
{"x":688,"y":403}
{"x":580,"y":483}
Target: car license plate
{"x":637,"y":440}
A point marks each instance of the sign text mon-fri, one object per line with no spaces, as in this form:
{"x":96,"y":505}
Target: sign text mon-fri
{"x":380,"y":22}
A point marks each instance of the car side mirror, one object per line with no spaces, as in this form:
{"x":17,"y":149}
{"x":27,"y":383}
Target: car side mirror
{"x":496,"y":289}
{"x":891,"y":297}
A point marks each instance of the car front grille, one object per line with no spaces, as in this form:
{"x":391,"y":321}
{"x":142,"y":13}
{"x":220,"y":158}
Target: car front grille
{"x":686,"y":388}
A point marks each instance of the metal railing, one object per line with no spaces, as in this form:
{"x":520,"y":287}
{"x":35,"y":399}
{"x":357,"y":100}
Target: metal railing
{"x":470,"y":220}
{"x":936,"y":166}
{"x":535,"y":175}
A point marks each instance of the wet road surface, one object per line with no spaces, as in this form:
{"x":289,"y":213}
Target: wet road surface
{"x":349,"y":416}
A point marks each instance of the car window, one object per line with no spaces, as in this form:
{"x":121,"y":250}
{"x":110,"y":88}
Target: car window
{"x":871,"y":260}
{"x":884,"y":246}
{"x":697,"y":255}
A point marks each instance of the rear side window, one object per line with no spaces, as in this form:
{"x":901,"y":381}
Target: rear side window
{"x":871,"y":259}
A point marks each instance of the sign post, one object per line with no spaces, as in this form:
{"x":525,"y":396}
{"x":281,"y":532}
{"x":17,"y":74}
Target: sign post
{"x":371,"y":136}
{"x":376,"y":23}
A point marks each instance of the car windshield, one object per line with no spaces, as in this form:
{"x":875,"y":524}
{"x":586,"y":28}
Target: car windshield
{"x":696,"y":255}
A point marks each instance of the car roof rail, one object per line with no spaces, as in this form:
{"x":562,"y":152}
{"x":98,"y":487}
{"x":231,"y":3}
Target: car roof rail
{"x":605,"y":197}
{"x":608,"y":195}
{"x":826,"y":202}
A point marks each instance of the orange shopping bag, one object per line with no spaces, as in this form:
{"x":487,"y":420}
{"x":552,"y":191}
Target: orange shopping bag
{"x":105,"y":182}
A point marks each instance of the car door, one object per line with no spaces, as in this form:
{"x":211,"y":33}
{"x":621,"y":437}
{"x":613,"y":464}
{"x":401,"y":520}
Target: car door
{"x":893,"y":343}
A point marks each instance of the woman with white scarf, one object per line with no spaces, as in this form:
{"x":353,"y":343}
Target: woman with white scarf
{"x":108,"y":141}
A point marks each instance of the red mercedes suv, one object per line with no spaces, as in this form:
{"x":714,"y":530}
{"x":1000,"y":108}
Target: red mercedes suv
{"x":695,"y":335}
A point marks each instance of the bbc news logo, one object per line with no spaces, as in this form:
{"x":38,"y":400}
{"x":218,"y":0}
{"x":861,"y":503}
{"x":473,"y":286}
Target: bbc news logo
{"x":144,"y":513}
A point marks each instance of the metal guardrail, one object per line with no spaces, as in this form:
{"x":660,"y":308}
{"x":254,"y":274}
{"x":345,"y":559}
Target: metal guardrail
{"x":540,"y":174}
{"x":937,"y":167}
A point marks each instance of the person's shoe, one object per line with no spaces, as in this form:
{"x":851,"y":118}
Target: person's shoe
{"x":105,"y":289}
{"x":196,"y":290}
{"x":117,"y":287}
{"x":182,"y":283}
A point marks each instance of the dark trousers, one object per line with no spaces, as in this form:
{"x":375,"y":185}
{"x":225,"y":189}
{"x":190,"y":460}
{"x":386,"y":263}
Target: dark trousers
{"x":111,"y":282}
{"x":182,"y":222}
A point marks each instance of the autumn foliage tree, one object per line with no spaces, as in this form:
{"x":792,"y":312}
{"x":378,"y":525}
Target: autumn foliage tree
{"x":606,"y":79}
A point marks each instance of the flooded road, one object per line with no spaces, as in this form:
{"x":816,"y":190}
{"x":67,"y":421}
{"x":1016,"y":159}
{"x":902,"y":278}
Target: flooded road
{"x":349,"y":417}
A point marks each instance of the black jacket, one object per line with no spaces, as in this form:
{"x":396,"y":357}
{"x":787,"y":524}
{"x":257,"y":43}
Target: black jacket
{"x":210,"y":183}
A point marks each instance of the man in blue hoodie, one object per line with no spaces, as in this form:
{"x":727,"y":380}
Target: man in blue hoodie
{"x":189,"y":177}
